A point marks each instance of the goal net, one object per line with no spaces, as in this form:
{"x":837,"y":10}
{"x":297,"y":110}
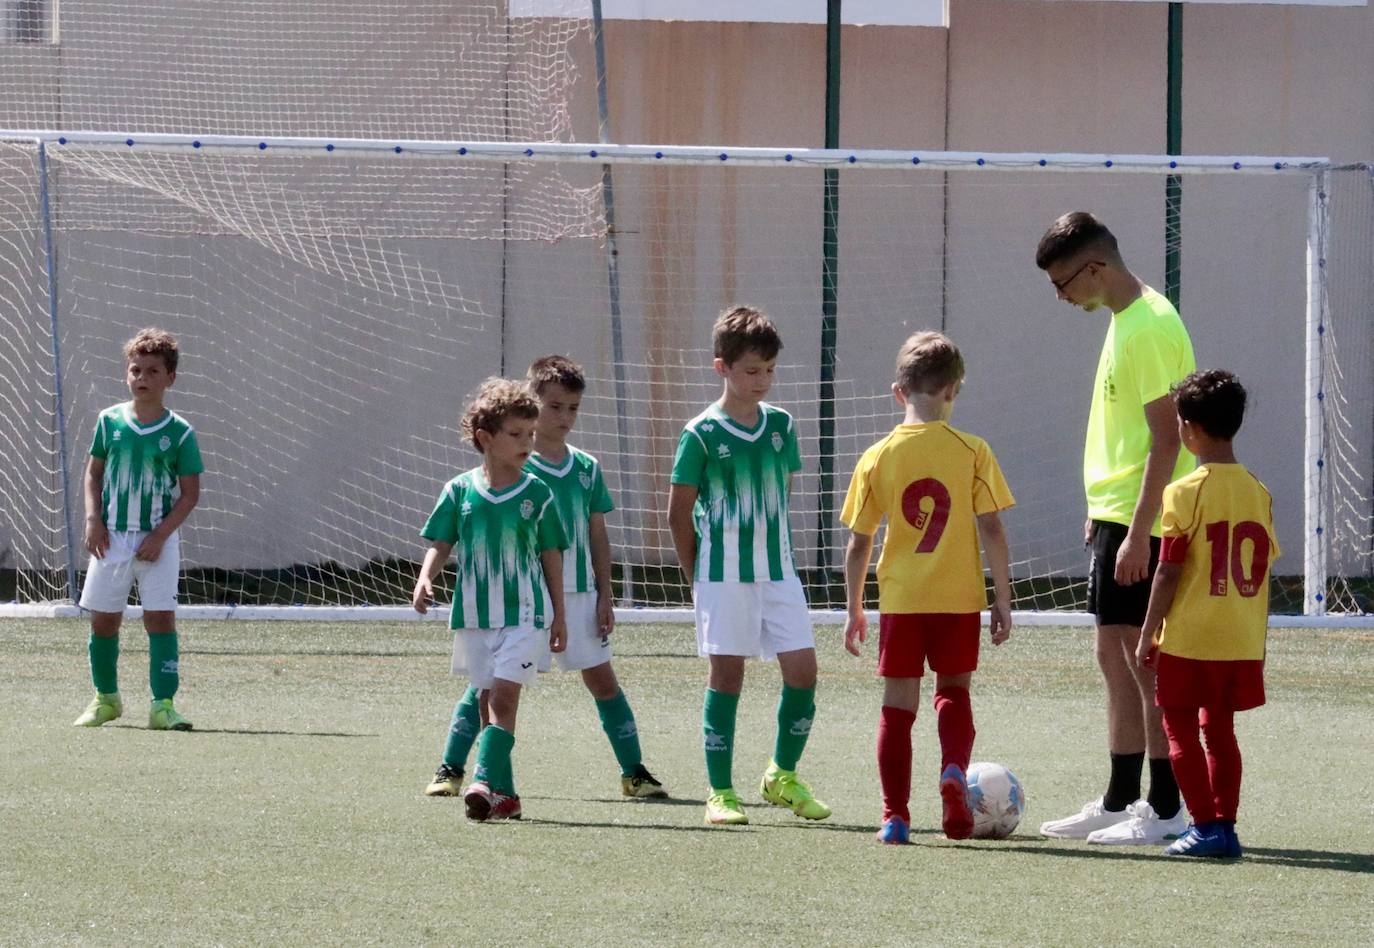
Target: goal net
{"x":336,"y":300}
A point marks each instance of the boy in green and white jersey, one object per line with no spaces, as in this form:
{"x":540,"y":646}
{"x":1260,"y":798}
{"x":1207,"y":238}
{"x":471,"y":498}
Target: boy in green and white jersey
{"x":508,"y":594}
{"x":142,"y":481}
{"x":583,"y":501}
{"x":727,"y":509}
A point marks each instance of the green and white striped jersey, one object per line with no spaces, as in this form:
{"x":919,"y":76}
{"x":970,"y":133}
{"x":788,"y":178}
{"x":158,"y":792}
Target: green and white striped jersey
{"x":142,"y":464}
{"x":579,"y":492}
{"x":497,"y":536}
{"x":742,"y":480}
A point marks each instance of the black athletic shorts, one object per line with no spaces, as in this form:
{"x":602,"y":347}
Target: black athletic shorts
{"x":1112,"y":603}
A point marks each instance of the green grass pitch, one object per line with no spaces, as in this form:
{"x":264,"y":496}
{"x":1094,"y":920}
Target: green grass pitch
{"x":294,"y":813}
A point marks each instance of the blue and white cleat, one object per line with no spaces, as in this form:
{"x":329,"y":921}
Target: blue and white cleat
{"x":1208,"y":841}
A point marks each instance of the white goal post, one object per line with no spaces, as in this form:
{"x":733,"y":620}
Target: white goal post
{"x":337,"y":298}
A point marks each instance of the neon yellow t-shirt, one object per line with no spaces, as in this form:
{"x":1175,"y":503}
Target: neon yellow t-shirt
{"x":931,"y":482}
{"x":1146,"y":351}
{"x":1219,"y":524}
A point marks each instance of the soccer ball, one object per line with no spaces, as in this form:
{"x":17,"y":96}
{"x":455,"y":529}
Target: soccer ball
{"x":997,"y":800}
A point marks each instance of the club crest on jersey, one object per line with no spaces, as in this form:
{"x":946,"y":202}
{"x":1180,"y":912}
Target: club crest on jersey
{"x":526,"y":508}
{"x":164,"y":443}
{"x":723,"y":450}
{"x":707,"y":427}
{"x":586,"y":480}
{"x":116,"y":435}
{"x":777,"y":441}
{"x":467,"y":507}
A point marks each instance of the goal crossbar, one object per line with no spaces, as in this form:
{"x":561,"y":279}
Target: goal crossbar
{"x":596,"y":153}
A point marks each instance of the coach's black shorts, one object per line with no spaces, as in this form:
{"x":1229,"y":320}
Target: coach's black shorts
{"x":1112,"y":603}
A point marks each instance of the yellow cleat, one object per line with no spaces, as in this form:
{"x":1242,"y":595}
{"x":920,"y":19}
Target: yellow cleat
{"x":784,"y":788}
{"x":102,"y":710}
{"x":447,"y":782}
{"x":162,"y":717}
{"x":723,"y":809}
{"x":643,"y":785}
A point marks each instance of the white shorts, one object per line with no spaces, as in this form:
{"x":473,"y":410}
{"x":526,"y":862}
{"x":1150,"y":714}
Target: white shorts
{"x":753,"y":619}
{"x":109,"y":580}
{"x":510,"y":653}
{"x":587,"y":647}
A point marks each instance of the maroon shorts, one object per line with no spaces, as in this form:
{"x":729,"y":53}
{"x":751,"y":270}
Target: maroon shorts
{"x":908,"y":641}
{"x":1203,"y":683}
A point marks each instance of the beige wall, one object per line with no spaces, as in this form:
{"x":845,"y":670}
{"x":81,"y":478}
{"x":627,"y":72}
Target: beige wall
{"x":917,"y":250}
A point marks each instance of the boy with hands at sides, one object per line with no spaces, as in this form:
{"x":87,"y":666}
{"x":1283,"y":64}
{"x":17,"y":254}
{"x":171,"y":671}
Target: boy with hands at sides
{"x":1205,"y":625}
{"x":508,"y":592}
{"x":583,"y":501}
{"x":142,"y":482}
{"x":939,"y":489}
{"x":728,"y":513}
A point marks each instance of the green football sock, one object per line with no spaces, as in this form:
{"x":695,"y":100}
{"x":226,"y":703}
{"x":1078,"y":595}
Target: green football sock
{"x":463,"y":729}
{"x":796,"y":710}
{"x":104,"y":652}
{"x":163,"y":667}
{"x":493,"y":759}
{"x":718,"y":737}
{"x":618,"y":721}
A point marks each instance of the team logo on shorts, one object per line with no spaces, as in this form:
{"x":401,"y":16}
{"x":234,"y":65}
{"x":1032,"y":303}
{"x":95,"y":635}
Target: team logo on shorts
{"x":586,"y":480}
{"x":164,"y":443}
{"x":777,"y":441}
{"x":526,"y":508}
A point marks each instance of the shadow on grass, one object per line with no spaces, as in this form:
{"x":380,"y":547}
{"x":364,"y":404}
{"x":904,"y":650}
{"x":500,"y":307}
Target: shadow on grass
{"x":1362,"y":863}
{"x":245,"y":731}
{"x":637,"y":827}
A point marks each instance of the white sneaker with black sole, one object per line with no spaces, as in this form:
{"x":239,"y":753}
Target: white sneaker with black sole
{"x":1144,"y":828}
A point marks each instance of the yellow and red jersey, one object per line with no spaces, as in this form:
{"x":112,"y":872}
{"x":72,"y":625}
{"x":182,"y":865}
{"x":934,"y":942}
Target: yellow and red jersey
{"x":930,"y":482}
{"x":1219,"y":526}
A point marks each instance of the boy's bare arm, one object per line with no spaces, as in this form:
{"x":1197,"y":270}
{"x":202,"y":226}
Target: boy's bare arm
{"x":856,"y":558}
{"x":97,"y":536}
{"x":681,"y":499}
{"x":552,"y":561}
{"x":1162,"y":594}
{"x":435,"y":558}
{"x":601,"y":572}
{"x":1133,"y":558}
{"x":994,"y":538}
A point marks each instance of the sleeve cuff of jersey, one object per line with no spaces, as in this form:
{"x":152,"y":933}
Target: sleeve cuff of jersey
{"x":1173,"y":550}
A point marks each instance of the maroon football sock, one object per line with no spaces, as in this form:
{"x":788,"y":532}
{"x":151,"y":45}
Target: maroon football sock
{"x":954,"y":719}
{"x":894,"y":761}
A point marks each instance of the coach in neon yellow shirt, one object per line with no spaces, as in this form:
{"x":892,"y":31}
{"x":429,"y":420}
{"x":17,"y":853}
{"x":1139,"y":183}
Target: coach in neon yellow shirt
{"x":1131,"y":452}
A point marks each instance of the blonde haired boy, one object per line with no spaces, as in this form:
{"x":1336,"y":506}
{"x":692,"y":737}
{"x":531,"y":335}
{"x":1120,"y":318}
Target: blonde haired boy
{"x":939,"y":489}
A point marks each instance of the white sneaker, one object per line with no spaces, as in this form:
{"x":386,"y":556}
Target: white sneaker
{"x":1091,"y":817}
{"x":1144,"y":828}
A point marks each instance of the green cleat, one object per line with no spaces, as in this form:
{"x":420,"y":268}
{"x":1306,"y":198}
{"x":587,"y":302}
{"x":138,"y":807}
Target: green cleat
{"x":102,"y":710}
{"x":163,"y":717}
{"x":723,"y":809}
{"x":784,"y":788}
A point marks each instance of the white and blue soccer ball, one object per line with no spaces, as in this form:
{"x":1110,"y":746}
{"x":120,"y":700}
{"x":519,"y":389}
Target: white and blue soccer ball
{"x":997,"y":800}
